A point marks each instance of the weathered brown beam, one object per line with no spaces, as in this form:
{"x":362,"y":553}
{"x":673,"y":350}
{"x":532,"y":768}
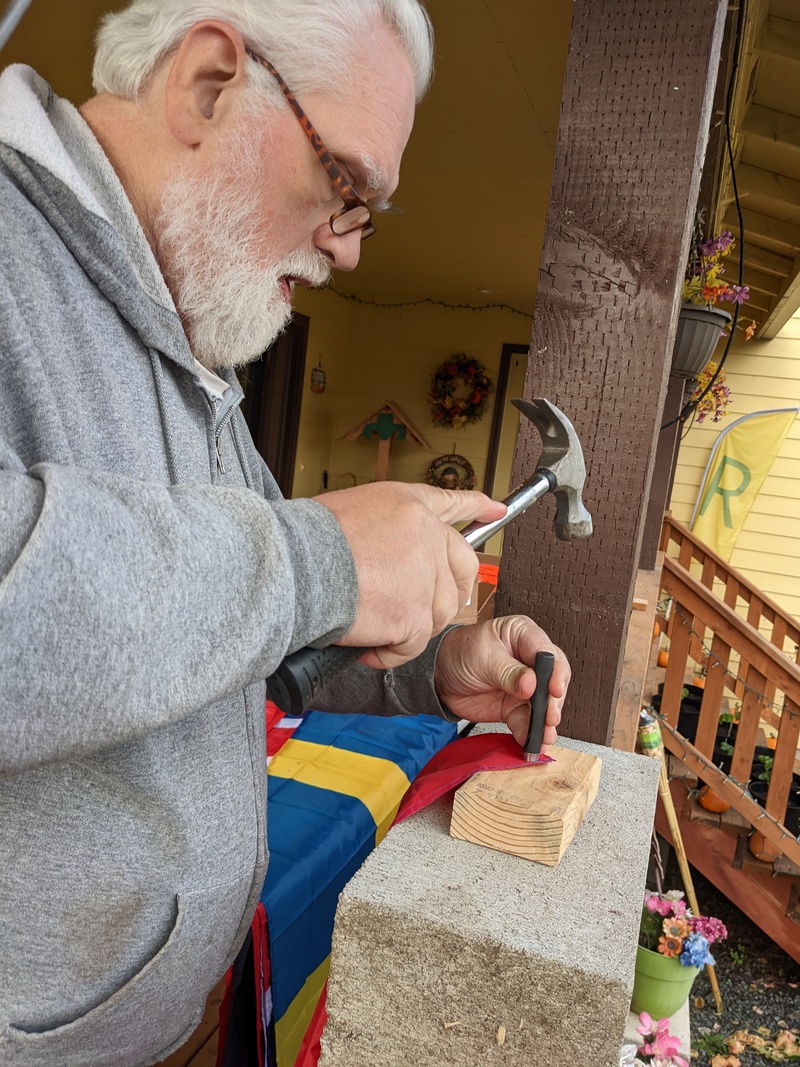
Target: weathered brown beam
{"x":779,"y":37}
{"x":774,"y":125}
{"x":626,"y":177}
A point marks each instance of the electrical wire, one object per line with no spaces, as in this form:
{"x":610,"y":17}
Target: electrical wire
{"x":692,"y":405}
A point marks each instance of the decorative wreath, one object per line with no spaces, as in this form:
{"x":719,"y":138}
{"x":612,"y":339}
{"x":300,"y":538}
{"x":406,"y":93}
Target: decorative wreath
{"x":460,"y":388}
{"x":451,"y":472}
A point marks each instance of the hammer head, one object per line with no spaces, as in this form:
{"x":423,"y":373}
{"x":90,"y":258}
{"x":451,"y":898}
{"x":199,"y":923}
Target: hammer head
{"x":562,"y":457}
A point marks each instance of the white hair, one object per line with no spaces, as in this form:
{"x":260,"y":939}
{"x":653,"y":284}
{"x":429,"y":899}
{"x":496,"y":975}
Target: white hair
{"x":311,"y":42}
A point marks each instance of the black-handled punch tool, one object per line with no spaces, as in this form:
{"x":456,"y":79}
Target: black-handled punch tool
{"x":534,"y":743}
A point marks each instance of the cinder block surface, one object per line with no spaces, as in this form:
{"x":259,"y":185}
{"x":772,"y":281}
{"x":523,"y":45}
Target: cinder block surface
{"x":439,"y":943}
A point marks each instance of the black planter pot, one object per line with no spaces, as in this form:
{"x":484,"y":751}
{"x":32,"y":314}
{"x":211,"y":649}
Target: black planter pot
{"x":689,"y":710}
{"x":758,"y":765}
{"x":791,"y":818}
{"x":726,"y":733}
{"x":688,"y":718}
{"x":693,"y":698}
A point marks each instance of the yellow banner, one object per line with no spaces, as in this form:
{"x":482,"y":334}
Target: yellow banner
{"x":740,"y":461}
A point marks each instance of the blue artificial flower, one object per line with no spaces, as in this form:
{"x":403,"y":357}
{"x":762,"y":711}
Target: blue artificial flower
{"x":696,"y":952}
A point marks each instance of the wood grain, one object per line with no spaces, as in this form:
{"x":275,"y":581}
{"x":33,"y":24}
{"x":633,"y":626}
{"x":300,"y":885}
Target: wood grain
{"x":529,"y":812}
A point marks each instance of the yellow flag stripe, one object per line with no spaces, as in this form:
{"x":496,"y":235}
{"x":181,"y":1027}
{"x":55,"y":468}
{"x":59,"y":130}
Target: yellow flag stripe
{"x":378,"y":783}
{"x":290,"y":1029}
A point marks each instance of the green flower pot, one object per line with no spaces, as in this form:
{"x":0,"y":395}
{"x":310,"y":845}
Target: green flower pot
{"x":661,"y":984}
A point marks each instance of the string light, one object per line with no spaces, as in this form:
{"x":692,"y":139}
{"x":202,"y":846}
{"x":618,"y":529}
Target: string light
{"x":714,"y":661}
{"x":429,"y":300}
{"x":746,"y":795}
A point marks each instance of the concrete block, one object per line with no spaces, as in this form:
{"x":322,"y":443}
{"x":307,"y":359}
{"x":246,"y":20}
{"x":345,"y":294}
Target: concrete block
{"x":440,"y":943}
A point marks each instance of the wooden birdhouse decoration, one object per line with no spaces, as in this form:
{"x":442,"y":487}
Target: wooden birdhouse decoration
{"x":387,"y":425}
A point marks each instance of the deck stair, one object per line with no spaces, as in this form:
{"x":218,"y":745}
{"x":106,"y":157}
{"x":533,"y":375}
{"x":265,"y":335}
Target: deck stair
{"x":743,"y":650}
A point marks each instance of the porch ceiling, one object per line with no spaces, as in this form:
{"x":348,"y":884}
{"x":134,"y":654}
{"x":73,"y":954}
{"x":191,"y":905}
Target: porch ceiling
{"x":766,"y":137}
{"x":476,"y":177}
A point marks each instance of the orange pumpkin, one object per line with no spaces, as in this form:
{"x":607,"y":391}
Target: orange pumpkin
{"x":772,"y":742}
{"x":663,"y":657}
{"x":700,"y":682}
{"x":762,"y":849}
{"x":712,"y":801}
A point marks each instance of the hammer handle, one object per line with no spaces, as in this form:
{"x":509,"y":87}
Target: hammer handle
{"x":540,"y":482}
{"x":301,"y":676}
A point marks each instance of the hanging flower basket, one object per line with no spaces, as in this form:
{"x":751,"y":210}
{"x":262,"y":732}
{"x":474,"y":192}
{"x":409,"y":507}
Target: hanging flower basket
{"x":699,"y":330}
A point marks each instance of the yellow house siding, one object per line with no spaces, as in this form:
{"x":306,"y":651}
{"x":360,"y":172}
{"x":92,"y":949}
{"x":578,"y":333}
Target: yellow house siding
{"x":371,"y":355}
{"x":761,"y":375}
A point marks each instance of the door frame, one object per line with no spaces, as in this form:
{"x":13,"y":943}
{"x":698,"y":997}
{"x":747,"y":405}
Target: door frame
{"x":508,"y":351}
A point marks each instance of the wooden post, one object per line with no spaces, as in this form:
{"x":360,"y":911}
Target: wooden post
{"x":634,"y":123}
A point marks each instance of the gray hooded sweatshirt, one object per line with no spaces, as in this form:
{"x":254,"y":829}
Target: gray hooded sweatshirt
{"x":151,"y":577}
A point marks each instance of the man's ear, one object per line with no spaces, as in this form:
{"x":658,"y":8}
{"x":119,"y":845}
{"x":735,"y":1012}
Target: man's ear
{"x":206,"y":76}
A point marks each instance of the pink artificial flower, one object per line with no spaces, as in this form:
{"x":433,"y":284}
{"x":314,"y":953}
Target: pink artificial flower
{"x":646,"y":1025}
{"x":649,"y":1027}
{"x":679,"y":908}
{"x":654,"y":903}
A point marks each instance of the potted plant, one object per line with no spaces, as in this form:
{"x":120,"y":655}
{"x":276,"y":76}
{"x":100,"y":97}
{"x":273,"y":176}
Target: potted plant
{"x":701,"y":323}
{"x":760,"y":787}
{"x":673,"y":947}
{"x":658,"y":1047}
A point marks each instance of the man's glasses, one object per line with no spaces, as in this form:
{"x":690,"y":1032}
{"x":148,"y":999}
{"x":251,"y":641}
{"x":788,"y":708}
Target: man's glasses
{"x":355,"y":215}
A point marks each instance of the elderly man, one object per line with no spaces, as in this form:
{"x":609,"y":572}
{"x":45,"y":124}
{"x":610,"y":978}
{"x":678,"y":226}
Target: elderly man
{"x":151,"y":577}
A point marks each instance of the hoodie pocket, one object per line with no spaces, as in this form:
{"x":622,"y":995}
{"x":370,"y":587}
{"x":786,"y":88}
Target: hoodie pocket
{"x":155,"y":1009}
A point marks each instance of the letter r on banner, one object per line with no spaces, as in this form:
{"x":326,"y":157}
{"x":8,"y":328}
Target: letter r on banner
{"x":715,"y":486}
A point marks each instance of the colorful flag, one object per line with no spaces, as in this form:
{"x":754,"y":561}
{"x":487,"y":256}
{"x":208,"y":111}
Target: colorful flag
{"x":334,"y":790}
{"x":740,"y":460}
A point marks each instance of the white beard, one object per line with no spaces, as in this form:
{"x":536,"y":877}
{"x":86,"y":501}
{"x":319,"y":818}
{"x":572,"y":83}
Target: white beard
{"x":208,"y":244}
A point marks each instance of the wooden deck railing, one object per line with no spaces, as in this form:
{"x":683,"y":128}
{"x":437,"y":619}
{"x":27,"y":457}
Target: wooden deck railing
{"x":747,"y":648}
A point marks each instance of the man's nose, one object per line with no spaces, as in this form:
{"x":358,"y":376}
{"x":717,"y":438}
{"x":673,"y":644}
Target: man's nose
{"x":344,"y":250}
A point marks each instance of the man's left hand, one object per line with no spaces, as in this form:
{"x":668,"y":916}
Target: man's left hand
{"x":484,"y":673}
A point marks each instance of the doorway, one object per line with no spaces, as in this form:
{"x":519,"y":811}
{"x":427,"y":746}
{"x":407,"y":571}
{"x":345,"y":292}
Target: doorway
{"x":505,"y":426}
{"x":273,"y":392}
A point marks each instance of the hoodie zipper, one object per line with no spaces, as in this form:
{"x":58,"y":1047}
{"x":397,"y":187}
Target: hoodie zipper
{"x":223,"y":413}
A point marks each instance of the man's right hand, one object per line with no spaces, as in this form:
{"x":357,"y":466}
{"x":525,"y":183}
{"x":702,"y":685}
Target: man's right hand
{"x":415,"y":572}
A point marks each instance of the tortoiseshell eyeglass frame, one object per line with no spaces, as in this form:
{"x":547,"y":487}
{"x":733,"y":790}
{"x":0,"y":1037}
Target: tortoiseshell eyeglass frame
{"x":354,"y":206}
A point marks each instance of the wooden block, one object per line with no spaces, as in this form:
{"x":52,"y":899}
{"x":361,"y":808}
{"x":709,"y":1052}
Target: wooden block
{"x":530,"y":812}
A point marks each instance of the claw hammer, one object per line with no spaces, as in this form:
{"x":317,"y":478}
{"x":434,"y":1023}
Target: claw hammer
{"x":561,"y":471}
